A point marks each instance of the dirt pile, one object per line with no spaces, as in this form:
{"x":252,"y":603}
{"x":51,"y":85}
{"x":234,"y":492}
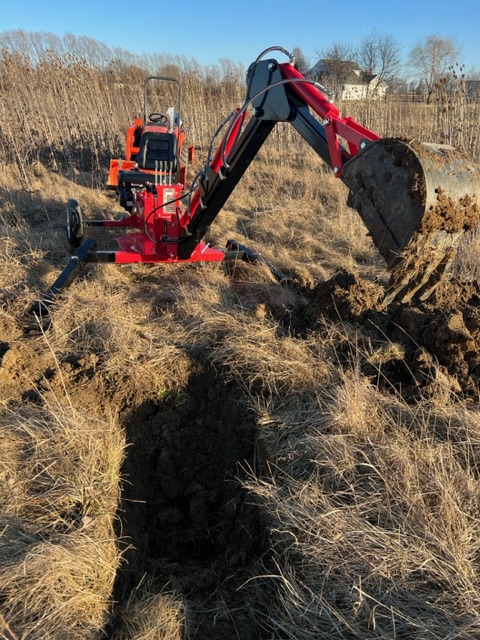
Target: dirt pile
{"x":414,"y":348}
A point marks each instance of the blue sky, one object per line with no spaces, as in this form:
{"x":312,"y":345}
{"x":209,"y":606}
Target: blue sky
{"x":208,"y":30}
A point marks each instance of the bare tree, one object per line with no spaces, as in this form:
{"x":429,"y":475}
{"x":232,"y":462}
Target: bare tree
{"x":338,"y":51}
{"x":431,"y":59}
{"x":473,"y":74}
{"x":301,"y":61}
{"x":380,"y":55}
{"x":331,"y":68}
{"x":233,"y":72}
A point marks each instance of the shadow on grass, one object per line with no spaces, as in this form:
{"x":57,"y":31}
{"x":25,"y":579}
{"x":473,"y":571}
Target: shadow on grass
{"x":184,"y":512}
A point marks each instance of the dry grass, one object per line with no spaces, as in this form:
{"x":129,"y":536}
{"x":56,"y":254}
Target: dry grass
{"x":295,"y":213}
{"x":467,"y":265}
{"x":374,"y":519}
{"x":370,"y":503}
{"x":149,"y":615}
{"x":60,"y":482}
{"x":109,"y":320}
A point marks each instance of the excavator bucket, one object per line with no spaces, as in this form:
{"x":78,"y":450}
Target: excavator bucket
{"x":416,"y":200}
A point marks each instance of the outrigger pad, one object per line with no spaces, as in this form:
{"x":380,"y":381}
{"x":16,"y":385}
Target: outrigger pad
{"x":416,"y":200}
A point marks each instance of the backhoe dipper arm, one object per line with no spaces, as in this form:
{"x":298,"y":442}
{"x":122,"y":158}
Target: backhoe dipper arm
{"x":278,"y":93}
{"x":415,"y":199}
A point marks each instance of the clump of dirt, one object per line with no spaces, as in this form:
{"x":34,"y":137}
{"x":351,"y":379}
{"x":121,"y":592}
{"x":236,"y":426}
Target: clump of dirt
{"x":414,"y":348}
{"x":450,"y":215}
{"x":183,"y":507}
{"x":344,"y":297}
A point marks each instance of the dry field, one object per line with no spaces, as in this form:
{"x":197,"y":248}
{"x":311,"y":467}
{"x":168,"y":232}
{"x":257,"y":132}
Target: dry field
{"x":193,"y":452}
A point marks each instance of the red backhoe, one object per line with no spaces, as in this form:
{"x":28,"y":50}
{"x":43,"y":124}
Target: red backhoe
{"x":416,"y":200}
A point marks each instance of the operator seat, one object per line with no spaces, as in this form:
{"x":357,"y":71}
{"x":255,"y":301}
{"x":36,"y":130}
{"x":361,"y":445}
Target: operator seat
{"x":158,"y":147}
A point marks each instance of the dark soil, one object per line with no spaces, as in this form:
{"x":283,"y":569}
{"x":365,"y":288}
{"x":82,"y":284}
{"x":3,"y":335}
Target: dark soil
{"x":431,"y":343}
{"x":183,"y":507}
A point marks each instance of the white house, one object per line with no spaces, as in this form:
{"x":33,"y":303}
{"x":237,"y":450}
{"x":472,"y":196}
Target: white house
{"x":347,"y":81}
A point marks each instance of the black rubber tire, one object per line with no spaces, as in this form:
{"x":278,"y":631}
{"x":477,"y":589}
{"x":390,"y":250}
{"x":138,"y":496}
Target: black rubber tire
{"x":74,"y":224}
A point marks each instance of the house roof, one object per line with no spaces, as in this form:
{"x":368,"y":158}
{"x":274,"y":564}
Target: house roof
{"x":347,"y":70}
{"x":327,"y":66}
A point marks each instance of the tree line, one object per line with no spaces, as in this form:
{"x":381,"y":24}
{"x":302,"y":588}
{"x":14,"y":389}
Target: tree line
{"x":118,"y":64}
{"x":66,"y":102}
{"x":428,"y":67}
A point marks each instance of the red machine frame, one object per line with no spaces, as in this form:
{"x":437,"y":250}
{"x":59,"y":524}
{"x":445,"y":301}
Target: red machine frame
{"x":166,"y":232}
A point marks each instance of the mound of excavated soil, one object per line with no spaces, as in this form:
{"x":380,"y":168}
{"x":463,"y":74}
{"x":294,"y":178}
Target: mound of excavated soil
{"x":421,"y":346}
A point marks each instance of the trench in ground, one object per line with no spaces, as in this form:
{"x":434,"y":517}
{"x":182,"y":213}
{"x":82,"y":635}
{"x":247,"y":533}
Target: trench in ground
{"x":184,"y":511}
